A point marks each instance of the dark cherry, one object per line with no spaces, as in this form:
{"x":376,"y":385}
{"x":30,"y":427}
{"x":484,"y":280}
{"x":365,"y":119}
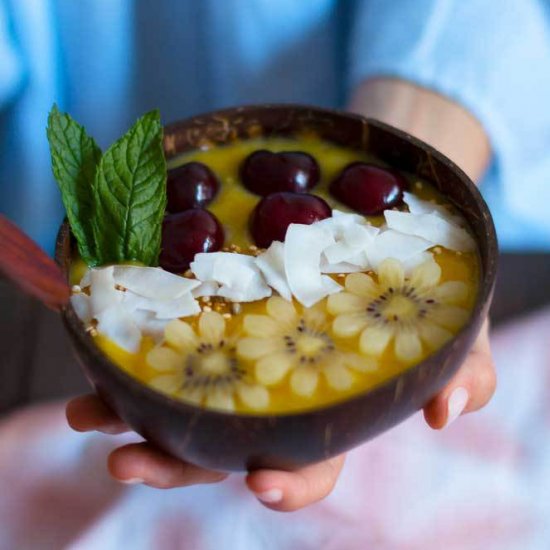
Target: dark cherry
{"x":264,"y":172}
{"x":368,"y":189}
{"x":192,"y":185}
{"x":274,"y":213}
{"x":185,"y":234}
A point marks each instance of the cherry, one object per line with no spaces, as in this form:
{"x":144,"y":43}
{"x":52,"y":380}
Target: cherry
{"x":192,"y":185}
{"x":367,"y":188}
{"x":264,"y":172}
{"x":185,"y":234}
{"x":274,"y":213}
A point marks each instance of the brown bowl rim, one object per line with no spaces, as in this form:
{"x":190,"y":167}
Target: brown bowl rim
{"x":484,"y":295}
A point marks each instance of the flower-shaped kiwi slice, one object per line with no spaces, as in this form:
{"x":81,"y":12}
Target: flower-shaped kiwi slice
{"x":285,"y":344}
{"x":409,"y":311}
{"x":201,"y":366}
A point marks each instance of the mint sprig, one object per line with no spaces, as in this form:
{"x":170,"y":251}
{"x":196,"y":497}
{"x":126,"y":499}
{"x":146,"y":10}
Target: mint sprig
{"x":75,"y":156}
{"x":130,"y":191}
{"x":115,"y":202}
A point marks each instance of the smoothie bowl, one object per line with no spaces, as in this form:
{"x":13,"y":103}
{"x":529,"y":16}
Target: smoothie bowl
{"x":322,"y":276}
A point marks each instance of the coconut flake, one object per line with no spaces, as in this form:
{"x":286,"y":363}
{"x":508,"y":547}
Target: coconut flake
{"x":393,"y":244}
{"x":419,"y":206}
{"x":86,"y":280}
{"x":203,"y":265}
{"x":117,"y":324}
{"x":240,"y":282}
{"x":149,"y":325}
{"x":304,"y":245}
{"x":238,"y":275}
{"x":82,"y":307}
{"x":153,"y":282}
{"x":208,"y":288}
{"x":340,"y":252}
{"x":330,"y":285}
{"x":351,"y":234}
{"x":432,"y":228}
{"x":414,"y":261}
{"x":340,"y":267}
{"x":183,"y":306}
{"x":272,"y":266}
{"x":103,"y":293}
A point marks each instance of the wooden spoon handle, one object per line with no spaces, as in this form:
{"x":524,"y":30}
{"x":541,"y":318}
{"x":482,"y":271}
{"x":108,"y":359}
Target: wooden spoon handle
{"x":25,"y":264}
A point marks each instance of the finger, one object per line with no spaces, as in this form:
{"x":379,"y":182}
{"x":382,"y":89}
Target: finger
{"x":289,"y":491}
{"x":471,"y":388}
{"x":142,"y":463}
{"x":88,"y":412}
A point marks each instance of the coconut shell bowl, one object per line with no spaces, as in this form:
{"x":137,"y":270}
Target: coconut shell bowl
{"x":233,"y":441}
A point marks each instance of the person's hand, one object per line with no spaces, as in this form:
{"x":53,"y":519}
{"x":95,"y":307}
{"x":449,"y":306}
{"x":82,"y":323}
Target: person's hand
{"x":143,"y":463}
{"x":468,"y":391}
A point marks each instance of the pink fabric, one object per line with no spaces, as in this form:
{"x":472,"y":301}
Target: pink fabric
{"x":484,"y":483}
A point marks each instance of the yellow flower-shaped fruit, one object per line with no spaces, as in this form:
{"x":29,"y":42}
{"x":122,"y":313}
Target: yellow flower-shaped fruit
{"x":201,"y":366}
{"x":408,"y":311}
{"x":284,"y":343}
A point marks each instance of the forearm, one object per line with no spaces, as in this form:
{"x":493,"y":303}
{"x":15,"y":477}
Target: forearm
{"x":429,"y":116}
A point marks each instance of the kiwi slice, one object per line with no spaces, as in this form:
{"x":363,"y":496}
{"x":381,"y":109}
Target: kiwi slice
{"x":202,"y":367}
{"x":413,"y":311}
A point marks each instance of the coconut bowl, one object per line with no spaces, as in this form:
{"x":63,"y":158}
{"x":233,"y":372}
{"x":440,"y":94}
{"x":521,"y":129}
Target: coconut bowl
{"x":233,"y":442}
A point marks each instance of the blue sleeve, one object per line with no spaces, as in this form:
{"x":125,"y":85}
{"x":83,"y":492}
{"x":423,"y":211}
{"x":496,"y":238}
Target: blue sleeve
{"x":491,"y":57}
{"x":11,"y":69}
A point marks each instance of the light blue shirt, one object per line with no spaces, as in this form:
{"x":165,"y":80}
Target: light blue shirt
{"x":108,"y":61}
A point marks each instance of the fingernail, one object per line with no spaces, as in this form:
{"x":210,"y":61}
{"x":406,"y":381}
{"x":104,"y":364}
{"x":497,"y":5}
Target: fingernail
{"x":132,"y":480}
{"x":271,"y":496}
{"x":456,"y":404}
{"x":112,"y":429}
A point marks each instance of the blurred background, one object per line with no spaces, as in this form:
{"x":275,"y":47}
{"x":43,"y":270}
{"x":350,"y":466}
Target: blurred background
{"x":106,"y":62}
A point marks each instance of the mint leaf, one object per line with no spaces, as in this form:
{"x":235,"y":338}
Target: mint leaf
{"x":75,"y":156}
{"x":130,"y":195}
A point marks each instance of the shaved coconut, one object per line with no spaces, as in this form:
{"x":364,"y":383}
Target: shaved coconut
{"x":393,"y":244}
{"x":352,"y":229}
{"x":234,"y":270}
{"x":340,"y":219}
{"x":414,"y":261}
{"x":431,"y":227}
{"x":82,"y":307}
{"x":240,"y":278}
{"x":85,"y":281}
{"x":149,"y":325}
{"x":351,"y":235}
{"x":153,"y":282}
{"x":419,"y":206}
{"x":340,"y":252}
{"x":304,"y":245}
{"x":117,"y":324}
{"x":208,"y":288}
{"x":340,"y":267}
{"x":272,"y":266}
{"x":330,"y":285}
{"x":103,"y":293}
{"x":238,"y":275}
{"x":204,"y":263}
{"x":240,"y":283}
{"x":256,"y":290}
{"x":183,"y":306}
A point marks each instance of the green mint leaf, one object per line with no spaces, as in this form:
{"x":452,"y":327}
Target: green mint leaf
{"x":75,"y":156}
{"x":130,"y":195}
